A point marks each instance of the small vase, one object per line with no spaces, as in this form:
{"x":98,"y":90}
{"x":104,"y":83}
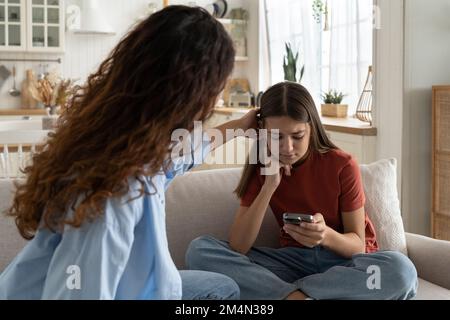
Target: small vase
{"x":52,"y":110}
{"x":49,"y":122}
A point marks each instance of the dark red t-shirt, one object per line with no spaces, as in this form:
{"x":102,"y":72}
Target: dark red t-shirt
{"x":328,"y":183}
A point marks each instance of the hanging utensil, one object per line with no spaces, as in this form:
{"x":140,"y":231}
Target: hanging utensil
{"x":14,"y":92}
{"x":4,"y":74}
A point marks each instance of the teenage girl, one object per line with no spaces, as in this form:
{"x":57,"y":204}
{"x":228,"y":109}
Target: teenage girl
{"x":336,"y":256}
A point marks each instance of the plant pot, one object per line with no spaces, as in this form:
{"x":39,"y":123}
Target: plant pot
{"x":334,"y":110}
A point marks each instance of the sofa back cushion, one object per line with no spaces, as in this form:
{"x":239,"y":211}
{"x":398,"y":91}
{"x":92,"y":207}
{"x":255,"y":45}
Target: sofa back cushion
{"x":202,"y":203}
{"x":382,"y":204}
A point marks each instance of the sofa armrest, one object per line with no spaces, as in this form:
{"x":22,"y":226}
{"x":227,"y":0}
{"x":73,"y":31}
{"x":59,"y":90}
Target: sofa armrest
{"x":431,"y":258}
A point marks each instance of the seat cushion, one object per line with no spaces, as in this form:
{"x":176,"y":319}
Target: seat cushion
{"x":430,"y":291}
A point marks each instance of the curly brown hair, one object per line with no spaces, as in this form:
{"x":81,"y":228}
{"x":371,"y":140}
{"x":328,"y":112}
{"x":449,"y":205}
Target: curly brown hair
{"x":165,"y":73}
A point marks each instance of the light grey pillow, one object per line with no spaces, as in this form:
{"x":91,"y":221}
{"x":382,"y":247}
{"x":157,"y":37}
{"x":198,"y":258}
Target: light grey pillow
{"x":382,"y":204}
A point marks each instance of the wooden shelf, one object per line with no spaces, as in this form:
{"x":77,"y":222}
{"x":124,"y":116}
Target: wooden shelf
{"x":23,"y":112}
{"x":232,"y":21}
{"x":348,"y":125}
{"x":343,"y":125}
{"x":240,"y":58}
{"x":229,"y":111}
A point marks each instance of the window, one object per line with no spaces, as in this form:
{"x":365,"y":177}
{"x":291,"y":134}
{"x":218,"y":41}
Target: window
{"x":337,"y":58}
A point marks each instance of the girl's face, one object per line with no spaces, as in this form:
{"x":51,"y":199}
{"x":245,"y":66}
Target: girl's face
{"x":293,"y":138}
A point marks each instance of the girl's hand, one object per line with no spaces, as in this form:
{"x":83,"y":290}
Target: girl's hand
{"x":272,"y":182}
{"x":309,"y":234}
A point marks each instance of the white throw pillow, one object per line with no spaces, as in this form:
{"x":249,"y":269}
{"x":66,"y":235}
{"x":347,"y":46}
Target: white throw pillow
{"x":382,"y":204}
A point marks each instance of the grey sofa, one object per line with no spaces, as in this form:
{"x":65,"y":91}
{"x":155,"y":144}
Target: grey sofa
{"x":201,"y":203}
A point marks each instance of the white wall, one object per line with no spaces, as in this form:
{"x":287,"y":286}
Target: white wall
{"x":427,"y":53}
{"x":388,"y":82}
{"x":84,"y":53}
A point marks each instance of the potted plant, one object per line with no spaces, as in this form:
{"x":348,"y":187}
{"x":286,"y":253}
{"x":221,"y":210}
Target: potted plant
{"x":290,"y":62}
{"x":332,"y":104}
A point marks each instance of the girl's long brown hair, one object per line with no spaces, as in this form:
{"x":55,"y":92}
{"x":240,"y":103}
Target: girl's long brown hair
{"x":165,"y":73}
{"x":292,"y":100}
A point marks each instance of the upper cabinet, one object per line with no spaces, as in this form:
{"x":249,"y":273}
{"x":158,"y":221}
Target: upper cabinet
{"x":12,"y":25}
{"x":32,"y":25}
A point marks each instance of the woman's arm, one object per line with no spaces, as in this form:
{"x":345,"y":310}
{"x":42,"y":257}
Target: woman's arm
{"x":245,"y":123}
{"x":89,"y":261}
{"x":351,"y":242}
{"x":193,"y":151}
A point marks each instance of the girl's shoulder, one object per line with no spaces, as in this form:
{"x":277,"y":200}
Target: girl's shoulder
{"x":337,"y":158}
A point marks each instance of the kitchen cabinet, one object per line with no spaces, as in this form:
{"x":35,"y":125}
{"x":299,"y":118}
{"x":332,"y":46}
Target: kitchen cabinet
{"x":32,"y":26}
{"x":12,"y":25}
{"x":363,"y":148}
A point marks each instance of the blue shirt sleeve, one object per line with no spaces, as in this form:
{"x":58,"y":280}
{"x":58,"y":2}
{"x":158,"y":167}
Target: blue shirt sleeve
{"x":89,"y":261}
{"x":198,"y":147}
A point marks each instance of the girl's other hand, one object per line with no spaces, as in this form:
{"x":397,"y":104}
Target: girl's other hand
{"x":309,"y":234}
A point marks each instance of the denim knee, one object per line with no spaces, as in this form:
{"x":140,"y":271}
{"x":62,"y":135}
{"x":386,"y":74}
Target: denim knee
{"x":401,"y":275}
{"x":227,"y":288}
{"x":203,"y":285}
{"x":195,"y":253}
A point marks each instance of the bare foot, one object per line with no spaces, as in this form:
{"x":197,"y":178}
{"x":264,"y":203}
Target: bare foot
{"x":296,"y":295}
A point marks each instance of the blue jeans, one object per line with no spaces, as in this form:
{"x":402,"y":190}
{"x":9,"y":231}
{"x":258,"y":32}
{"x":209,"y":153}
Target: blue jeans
{"x":202,"y":285}
{"x":269,"y":273}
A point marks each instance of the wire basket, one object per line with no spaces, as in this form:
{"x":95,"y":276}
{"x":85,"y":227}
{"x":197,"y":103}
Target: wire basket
{"x":364,"y":109}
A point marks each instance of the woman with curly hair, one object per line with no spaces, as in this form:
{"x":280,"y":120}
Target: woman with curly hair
{"x":93,"y":200}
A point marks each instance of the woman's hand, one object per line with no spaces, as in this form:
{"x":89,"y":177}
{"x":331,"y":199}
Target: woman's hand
{"x":309,"y":234}
{"x":249,"y":120}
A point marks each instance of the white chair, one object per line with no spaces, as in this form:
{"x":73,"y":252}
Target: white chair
{"x":18,"y":139}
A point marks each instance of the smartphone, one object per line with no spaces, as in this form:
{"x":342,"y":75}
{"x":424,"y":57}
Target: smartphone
{"x":297,"y":218}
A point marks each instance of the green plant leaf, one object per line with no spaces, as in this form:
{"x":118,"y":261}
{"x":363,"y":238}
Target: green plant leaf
{"x":333,"y":97}
{"x":290,"y":64}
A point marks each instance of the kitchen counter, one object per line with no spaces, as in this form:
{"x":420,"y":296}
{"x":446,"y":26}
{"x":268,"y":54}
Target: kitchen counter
{"x":23,"y":112}
{"x":343,"y":125}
